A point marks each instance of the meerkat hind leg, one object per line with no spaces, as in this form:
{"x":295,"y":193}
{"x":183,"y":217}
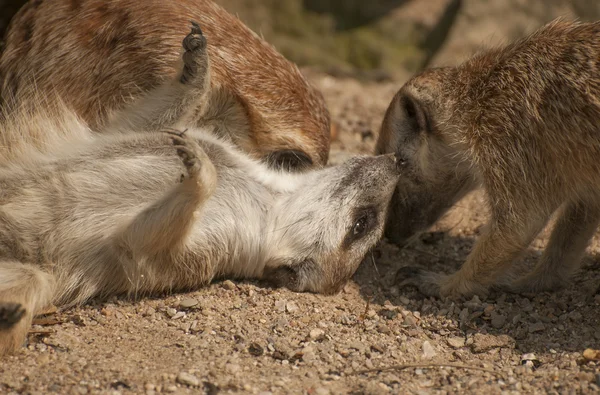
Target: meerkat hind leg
{"x":24,"y":291}
{"x":164,"y":225}
{"x":572,"y":232}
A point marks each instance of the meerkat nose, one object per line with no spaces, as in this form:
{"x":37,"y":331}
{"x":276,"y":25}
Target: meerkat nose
{"x":400,"y":160}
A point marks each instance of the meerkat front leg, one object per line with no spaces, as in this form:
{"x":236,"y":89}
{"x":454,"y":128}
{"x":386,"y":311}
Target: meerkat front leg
{"x":492,"y":255}
{"x":177,"y":102}
{"x":24,"y":291}
{"x":165,"y":224}
{"x":563,"y":254}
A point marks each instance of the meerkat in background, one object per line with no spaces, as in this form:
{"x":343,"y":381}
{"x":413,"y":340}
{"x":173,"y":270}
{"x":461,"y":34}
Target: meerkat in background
{"x":100,"y":56}
{"x":523,"y":122}
{"x":152,"y":212}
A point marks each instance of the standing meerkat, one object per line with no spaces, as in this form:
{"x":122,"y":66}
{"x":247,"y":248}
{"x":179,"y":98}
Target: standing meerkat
{"x":151,"y":212}
{"x":523,"y":122}
{"x":100,"y":56}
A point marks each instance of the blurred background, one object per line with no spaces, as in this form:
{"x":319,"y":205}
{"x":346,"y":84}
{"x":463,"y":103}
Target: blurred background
{"x":381,"y":39}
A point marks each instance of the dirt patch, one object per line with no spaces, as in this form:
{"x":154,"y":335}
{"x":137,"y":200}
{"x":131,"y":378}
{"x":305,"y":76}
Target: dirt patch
{"x":247,"y":338}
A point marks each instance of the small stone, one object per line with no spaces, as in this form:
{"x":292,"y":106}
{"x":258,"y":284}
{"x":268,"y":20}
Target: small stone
{"x":188,"y":379}
{"x":409,"y":320}
{"x":488,"y":310}
{"x":358,"y":346}
{"x":377,"y":348}
{"x":404,"y":300}
{"x":280,"y":305}
{"x":188,"y":303}
{"x":586,"y":376}
{"x":232,"y":368}
{"x":149,"y":387}
{"x":498,"y":320}
{"x":389,"y":314}
{"x":291,"y":307}
{"x":228,"y":285}
{"x":256,"y":349}
{"x":484,"y":342}
{"x":474,"y":303}
{"x":537,"y":327}
{"x":456,"y":342}
{"x":171,"y":312}
{"x":317,"y":334}
{"x":530,"y":360}
{"x":178,"y":315}
{"x":322,"y":391}
{"x":591,"y":354}
{"x":428,"y":350}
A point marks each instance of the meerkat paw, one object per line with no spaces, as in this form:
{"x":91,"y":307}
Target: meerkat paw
{"x":439,"y":285}
{"x":428,"y":283}
{"x":535,"y":283}
{"x":198,"y":165}
{"x":10,"y":314}
{"x":195,"y":60}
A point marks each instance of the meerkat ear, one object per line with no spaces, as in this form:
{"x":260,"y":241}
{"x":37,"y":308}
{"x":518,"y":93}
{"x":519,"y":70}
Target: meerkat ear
{"x":415,"y":113}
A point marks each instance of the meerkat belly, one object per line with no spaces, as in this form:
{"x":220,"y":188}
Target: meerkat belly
{"x":231,"y":229}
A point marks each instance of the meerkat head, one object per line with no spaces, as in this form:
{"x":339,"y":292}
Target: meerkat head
{"x":420,"y":126}
{"x":323,"y":230}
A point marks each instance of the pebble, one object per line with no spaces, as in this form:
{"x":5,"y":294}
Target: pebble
{"x":280,"y":305}
{"x":232,"y":368}
{"x":228,"y":285}
{"x":428,"y":350}
{"x":188,"y":379}
{"x":317,"y":334}
{"x":322,"y":391}
{"x":537,"y":327}
{"x":389,"y":314}
{"x":171,"y":312}
{"x":484,"y":342}
{"x":178,"y":315}
{"x":456,"y":342}
{"x":256,"y":349}
{"x":188,"y":303}
{"x":409,"y":320}
{"x":291,"y":307}
{"x":498,"y":320}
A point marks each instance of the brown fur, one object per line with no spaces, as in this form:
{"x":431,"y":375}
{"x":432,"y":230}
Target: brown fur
{"x":98,"y":55}
{"x":523,"y":122}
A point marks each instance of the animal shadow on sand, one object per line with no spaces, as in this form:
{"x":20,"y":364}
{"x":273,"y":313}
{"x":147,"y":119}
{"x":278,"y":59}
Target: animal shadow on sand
{"x":566,"y":320}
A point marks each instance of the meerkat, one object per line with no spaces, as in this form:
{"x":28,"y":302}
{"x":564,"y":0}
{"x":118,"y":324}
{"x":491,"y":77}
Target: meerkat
{"x":149,"y":212}
{"x":99,"y":57}
{"x":522,"y":122}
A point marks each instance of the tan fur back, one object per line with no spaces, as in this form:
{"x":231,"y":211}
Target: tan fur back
{"x":98,"y":55}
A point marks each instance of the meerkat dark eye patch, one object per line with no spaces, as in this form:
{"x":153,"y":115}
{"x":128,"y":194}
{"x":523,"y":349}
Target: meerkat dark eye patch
{"x":364,"y":221}
{"x":289,"y":160}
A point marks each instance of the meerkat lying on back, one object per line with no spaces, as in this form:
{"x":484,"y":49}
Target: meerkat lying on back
{"x":523,"y":122}
{"x":100,"y":56}
{"x":132,"y":214}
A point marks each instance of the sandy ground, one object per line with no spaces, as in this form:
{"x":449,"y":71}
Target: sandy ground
{"x":248,"y":338}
